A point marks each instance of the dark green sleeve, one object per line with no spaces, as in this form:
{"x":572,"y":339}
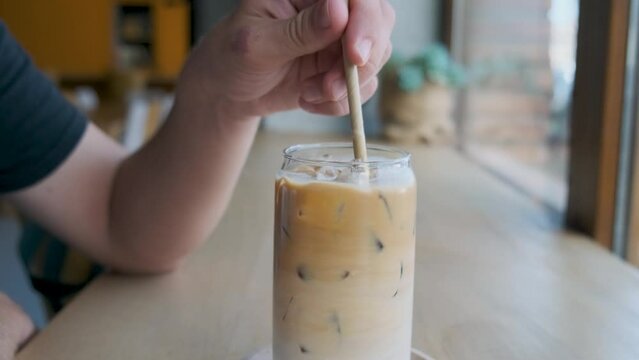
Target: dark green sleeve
{"x":38,"y":128}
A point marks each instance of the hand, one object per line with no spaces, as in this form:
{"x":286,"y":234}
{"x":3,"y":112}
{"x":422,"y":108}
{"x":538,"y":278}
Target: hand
{"x":15,"y":328}
{"x":275,"y":55}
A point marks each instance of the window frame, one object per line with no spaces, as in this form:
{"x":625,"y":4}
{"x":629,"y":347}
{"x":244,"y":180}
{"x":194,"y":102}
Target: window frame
{"x":595,"y":205}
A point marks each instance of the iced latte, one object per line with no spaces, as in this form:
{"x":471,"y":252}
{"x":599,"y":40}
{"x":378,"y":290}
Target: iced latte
{"x":344,"y":254}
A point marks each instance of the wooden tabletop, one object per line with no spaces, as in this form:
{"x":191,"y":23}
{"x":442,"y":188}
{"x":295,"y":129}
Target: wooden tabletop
{"x":495,"y":279}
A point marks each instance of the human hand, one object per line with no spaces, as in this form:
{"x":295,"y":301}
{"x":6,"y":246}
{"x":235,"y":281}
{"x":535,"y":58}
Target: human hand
{"x":15,"y":328}
{"x":275,"y":55}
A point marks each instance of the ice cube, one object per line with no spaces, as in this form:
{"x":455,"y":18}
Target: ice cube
{"x":327,"y":173}
{"x":304,"y":169}
{"x":344,"y":176}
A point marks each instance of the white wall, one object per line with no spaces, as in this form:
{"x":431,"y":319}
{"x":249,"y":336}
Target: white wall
{"x":417,"y":25}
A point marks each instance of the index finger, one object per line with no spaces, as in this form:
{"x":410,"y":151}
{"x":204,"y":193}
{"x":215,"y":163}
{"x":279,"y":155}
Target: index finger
{"x":370,"y":25}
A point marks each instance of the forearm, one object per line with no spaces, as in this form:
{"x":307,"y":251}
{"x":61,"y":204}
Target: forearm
{"x":170,"y":195}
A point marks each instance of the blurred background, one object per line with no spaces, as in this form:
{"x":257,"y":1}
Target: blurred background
{"x":492,"y":79}
{"x":506,"y":103}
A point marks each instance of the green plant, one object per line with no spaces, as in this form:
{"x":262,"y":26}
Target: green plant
{"x":433,"y":64}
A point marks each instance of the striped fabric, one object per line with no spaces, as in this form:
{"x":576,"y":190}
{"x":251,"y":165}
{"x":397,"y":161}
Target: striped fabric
{"x":56,"y":271}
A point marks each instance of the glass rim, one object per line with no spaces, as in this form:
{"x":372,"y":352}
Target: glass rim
{"x":403,"y":156}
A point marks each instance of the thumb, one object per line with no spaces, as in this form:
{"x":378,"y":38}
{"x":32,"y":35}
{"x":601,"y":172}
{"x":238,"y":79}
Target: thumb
{"x":311,"y":30}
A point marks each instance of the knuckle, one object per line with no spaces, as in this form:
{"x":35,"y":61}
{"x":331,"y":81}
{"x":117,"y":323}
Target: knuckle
{"x":369,"y":70}
{"x":333,"y":97}
{"x":374,"y":86}
{"x":371,"y":89}
{"x":243,"y":43}
{"x":240,"y":40}
{"x":341,"y":97}
{"x":341,"y":108}
{"x":376,"y":65}
{"x":295,"y":31}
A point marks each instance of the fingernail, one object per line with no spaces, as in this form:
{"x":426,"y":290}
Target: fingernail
{"x":324,"y":15}
{"x":363,"y":48}
{"x":311,"y":94}
{"x":338,"y":88}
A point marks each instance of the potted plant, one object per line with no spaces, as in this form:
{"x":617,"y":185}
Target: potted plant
{"x":417,"y":101}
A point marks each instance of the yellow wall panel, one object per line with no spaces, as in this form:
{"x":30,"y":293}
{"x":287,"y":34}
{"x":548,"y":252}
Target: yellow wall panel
{"x":70,"y":38}
{"x":170,"y":38}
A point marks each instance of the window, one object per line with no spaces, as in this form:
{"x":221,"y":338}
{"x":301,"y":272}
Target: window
{"x":514,"y":115}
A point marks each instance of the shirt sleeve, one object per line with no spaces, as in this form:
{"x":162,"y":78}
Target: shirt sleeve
{"x":38,"y":128}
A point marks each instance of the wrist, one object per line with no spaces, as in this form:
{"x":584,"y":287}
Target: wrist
{"x":196,"y":100}
{"x":204,"y":81}
{"x":208,"y":113}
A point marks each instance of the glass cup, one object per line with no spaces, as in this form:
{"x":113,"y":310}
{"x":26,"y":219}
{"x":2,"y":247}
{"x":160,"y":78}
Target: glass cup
{"x":344,"y":254}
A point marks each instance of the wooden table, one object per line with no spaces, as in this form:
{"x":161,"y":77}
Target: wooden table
{"x":495,"y":279}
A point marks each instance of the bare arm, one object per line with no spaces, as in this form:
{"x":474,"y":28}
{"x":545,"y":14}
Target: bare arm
{"x":193,"y":165}
{"x":144,"y":212}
